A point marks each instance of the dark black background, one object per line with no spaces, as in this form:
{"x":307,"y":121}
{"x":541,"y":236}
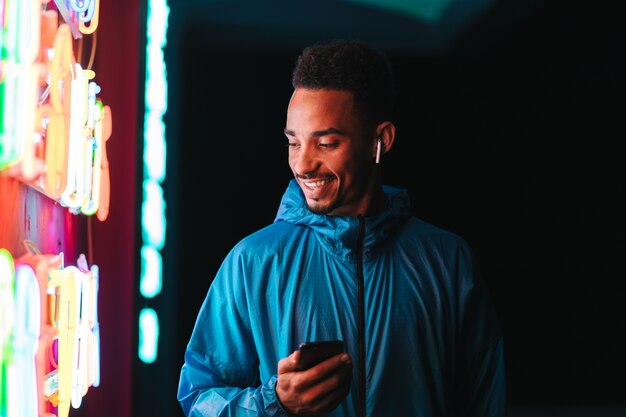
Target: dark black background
{"x":512,"y":136}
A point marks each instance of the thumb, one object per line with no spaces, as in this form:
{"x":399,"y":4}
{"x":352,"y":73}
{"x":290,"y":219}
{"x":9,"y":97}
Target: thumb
{"x":290,"y":363}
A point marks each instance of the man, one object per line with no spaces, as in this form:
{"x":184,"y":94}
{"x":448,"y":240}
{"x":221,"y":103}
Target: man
{"x":345,"y":260}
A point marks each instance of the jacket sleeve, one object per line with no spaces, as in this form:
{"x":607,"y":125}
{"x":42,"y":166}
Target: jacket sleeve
{"x":220,"y":375}
{"x":481,"y":351}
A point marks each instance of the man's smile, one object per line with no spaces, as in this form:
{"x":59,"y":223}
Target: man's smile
{"x":314,"y":184}
{"x":316,"y":189}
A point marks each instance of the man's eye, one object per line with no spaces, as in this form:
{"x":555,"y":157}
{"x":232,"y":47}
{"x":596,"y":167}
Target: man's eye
{"x":292,"y":144}
{"x":328,"y":145}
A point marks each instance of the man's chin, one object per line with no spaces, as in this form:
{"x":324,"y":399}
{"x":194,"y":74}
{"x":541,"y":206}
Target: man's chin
{"x":318,"y":207}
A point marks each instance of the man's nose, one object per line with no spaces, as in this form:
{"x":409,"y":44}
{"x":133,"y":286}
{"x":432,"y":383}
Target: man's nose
{"x":306,"y":160}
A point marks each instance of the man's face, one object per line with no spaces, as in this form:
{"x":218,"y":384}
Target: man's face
{"x":329,"y":153}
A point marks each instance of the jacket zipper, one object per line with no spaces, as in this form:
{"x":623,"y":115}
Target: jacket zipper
{"x":361,"y":312}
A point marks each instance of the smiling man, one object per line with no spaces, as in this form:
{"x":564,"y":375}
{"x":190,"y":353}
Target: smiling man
{"x":345,"y":260}
{"x":331,"y":152}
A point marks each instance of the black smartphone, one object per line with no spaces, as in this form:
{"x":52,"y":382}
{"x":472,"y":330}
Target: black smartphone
{"x":312,"y":353}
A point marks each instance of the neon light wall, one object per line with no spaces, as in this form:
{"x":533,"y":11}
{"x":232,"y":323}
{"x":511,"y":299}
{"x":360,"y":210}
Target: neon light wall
{"x":44,"y":210}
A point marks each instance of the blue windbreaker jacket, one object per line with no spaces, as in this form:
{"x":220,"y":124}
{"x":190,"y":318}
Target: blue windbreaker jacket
{"x":432,"y":341}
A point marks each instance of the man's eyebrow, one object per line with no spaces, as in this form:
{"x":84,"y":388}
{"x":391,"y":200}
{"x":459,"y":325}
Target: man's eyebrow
{"x":319,"y":133}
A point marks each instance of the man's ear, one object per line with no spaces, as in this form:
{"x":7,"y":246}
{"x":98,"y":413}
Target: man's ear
{"x":386,"y":133}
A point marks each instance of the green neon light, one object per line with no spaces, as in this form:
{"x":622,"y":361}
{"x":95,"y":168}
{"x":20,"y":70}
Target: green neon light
{"x":18,"y":45}
{"x":9,"y":149}
{"x":148,"y":335}
{"x":151,"y":280}
{"x":153,"y":220}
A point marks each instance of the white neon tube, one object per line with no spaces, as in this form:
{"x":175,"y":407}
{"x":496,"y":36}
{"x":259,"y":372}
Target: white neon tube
{"x":74,"y":194}
{"x":22,"y":393}
{"x":95,"y":329}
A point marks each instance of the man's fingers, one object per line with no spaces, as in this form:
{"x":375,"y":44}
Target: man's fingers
{"x":329,"y":392}
{"x":332,"y":395}
{"x":325,"y":368}
{"x":289,"y":363}
{"x":318,"y":389}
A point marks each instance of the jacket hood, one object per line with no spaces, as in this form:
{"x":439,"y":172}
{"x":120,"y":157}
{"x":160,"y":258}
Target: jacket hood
{"x":338,"y":234}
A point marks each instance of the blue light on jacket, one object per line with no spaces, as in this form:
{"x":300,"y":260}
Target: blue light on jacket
{"x":433,"y":343}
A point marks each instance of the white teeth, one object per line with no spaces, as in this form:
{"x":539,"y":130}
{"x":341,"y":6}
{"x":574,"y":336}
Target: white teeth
{"x":315,"y":184}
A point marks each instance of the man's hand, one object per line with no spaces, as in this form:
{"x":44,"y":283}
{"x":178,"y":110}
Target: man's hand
{"x":316,"y":390}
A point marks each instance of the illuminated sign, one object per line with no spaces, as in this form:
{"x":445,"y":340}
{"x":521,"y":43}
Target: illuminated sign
{"x":53,"y":128}
{"x":43,"y":303}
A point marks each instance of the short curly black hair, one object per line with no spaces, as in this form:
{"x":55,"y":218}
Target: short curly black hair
{"x":353,"y":66}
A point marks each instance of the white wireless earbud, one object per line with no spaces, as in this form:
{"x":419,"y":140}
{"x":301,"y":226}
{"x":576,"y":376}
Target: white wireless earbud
{"x":378,"y":147}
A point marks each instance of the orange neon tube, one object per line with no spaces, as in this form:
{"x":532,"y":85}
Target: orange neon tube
{"x":57,"y":134}
{"x":105,"y":183}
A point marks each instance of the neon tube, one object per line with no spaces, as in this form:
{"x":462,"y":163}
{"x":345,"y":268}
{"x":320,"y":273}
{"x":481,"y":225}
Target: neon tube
{"x":31,"y":71}
{"x":57,"y":132}
{"x":153,"y":214}
{"x":79,"y":8}
{"x":89,"y":151}
{"x":94,"y":368}
{"x":74,"y":194}
{"x":105,"y":182}
{"x":89,"y":343}
{"x":79,"y":372}
{"x":153,"y":220}
{"x":92,"y":15}
{"x":23,"y":394}
{"x":88,"y":170}
{"x":92,"y":90}
{"x":94,"y":109}
{"x":11,"y":149}
{"x":2,"y":24}
{"x":7,"y":309}
{"x":18,"y":90}
{"x":151,"y":279}
{"x":31,"y":165}
{"x":89,"y":148}
{"x":148,"y":335}
{"x":42,"y":264}
{"x":87,"y":14}
{"x":33,"y":162}
{"x":63,"y":281}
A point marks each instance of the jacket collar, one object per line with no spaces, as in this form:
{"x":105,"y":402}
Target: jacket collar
{"x":338,"y":234}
